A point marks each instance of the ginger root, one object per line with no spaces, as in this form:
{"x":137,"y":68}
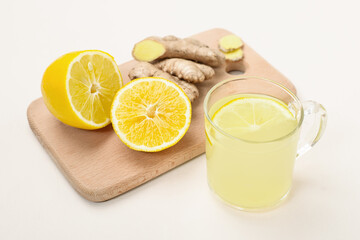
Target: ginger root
{"x":155,"y":48}
{"x":145,"y":69}
{"x":187,"y":61}
{"x":187,"y":70}
{"x":230,"y":43}
{"x":235,"y":55}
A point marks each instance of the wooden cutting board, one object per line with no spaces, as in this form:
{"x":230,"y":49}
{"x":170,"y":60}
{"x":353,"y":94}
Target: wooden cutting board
{"x":99,"y":166}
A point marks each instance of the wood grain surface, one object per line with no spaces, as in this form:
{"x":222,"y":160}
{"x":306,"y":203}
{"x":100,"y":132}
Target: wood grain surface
{"x":100,"y":167}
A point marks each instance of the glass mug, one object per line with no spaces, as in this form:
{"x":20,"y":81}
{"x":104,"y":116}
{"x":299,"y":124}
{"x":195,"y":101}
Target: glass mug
{"x":255,"y":175}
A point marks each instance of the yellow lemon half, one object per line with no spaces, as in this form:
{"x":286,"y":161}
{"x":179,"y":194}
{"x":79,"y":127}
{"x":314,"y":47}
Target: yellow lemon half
{"x":150,"y":114}
{"x":78,"y":88}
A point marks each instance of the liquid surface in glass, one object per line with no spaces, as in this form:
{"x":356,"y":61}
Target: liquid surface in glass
{"x":251,"y":168}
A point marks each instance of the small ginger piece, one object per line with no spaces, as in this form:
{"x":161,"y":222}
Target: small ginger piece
{"x":235,"y":55}
{"x":185,"y":69}
{"x":230,"y":43}
{"x":145,"y":69}
{"x":155,"y":48}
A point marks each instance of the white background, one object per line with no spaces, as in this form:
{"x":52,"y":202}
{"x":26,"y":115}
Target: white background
{"x":314,"y":43}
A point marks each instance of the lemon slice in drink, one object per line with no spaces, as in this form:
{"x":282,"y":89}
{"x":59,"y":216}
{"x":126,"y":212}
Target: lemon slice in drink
{"x":150,"y":114}
{"x":78,"y":88}
{"x":255,"y":118}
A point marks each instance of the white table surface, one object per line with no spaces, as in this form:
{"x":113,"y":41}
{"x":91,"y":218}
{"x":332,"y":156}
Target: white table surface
{"x":314,"y":43}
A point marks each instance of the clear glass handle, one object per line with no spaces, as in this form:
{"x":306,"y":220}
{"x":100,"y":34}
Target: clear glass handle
{"x":313,"y":126}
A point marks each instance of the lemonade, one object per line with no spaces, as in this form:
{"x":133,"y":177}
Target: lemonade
{"x":251,"y":152}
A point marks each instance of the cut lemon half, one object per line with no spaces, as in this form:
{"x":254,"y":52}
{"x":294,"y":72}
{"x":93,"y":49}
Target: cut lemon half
{"x":255,"y":118}
{"x":78,"y":88}
{"x":150,"y":114}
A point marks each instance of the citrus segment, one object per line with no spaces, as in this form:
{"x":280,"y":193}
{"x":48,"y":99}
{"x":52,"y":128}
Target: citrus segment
{"x":150,"y":114}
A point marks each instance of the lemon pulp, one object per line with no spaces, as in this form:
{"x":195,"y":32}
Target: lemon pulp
{"x":150,"y":114}
{"x":93,"y":82}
